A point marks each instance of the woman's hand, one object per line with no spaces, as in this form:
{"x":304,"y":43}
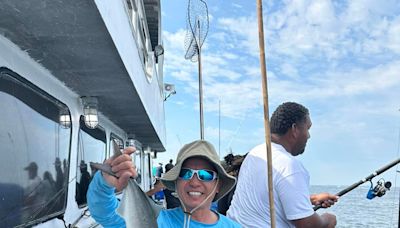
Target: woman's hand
{"x":123,"y":167}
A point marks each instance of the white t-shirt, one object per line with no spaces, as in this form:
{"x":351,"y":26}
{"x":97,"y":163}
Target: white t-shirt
{"x":250,"y":203}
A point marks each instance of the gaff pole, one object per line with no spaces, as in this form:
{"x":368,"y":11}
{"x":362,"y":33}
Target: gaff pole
{"x":362,"y":181}
{"x":266,"y":111}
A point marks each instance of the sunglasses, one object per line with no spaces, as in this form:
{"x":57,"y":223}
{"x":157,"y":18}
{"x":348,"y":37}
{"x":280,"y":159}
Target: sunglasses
{"x":202,"y":174}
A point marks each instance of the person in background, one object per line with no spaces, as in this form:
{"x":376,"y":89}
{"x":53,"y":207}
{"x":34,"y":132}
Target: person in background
{"x":172,"y":200}
{"x":232,"y":167}
{"x":169,"y":165}
{"x":32,"y":191}
{"x":83,"y":185}
{"x":34,"y":196}
{"x":290,"y":124}
{"x":160,"y":170}
{"x":49,"y":185}
{"x":198,"y":178}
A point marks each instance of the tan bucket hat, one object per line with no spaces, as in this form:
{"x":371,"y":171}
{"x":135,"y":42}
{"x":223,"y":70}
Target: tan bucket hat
{"x":203,"y":149}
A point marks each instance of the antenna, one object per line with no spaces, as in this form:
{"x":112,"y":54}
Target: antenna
{"x":219,"y":128}
{"x":196,"y":33}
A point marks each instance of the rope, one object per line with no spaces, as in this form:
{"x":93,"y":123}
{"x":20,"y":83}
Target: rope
{"x":186,"y":223}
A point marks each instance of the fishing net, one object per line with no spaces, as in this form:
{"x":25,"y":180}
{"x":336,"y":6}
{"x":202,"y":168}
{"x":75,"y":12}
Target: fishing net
{"x":196,"y":28}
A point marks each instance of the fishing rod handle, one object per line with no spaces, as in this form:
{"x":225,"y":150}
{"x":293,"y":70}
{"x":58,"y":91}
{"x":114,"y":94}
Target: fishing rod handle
{"x":317,"y":207}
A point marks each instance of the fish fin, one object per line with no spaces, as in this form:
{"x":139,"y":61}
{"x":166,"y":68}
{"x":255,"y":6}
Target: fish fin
{"x":106,"y":167}
{"x":103,"y":167}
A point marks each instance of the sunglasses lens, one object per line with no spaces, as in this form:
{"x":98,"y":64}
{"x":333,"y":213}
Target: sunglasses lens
{"x":202,"y":174}
{"x":205,"y":175}
{"x":186,"y":174}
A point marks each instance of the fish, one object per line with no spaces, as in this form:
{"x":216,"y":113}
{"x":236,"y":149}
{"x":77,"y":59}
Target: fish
{"x":137,"y":209}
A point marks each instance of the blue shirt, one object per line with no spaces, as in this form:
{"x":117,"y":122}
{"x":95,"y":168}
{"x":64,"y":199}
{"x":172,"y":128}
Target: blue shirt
{"x":175,"y":218}
{"x":103,"y":204}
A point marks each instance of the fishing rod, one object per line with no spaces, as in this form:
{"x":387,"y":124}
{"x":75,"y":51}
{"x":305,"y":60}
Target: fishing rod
{"x":362,"y":181}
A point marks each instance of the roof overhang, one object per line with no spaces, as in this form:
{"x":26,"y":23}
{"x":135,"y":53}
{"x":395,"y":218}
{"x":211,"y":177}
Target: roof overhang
{"x":70,"y":39}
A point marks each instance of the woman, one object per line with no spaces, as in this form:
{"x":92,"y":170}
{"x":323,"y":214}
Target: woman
{"x":198,"y":178}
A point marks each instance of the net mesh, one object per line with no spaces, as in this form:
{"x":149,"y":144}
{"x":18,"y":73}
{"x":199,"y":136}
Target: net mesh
{"x":196,"y":28}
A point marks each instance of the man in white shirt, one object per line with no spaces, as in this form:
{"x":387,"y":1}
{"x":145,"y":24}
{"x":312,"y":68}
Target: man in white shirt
{"x":290,"y":124}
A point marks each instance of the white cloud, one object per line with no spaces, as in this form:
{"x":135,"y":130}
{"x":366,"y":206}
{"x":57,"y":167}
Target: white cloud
{"x":290,"y":71}
{"x":308,"y":47}
{"x":320,"y":13}
{"x":242,"y":30}
{"x":393,"y":41}
{"x":339,"y":58}
{"x":237,"y":5}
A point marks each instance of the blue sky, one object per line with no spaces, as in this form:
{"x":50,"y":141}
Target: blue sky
{"x":341,"y":59}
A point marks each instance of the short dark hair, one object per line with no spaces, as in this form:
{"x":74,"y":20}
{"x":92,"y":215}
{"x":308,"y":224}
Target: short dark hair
{"x":286,"y":115}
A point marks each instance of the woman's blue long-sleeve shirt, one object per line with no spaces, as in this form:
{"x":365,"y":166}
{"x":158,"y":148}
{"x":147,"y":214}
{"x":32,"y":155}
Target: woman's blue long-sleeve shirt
{"x":103,"y":204}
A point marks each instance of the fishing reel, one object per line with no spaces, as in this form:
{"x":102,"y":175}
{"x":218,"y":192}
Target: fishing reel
{"x":379,"y":190}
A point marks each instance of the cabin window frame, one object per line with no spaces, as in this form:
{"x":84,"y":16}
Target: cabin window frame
{"x":101,"y":135}
{"x":30,"y":94}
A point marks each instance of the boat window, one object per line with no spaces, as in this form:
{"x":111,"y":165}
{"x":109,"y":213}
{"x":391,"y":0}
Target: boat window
{"x":138,"y":164}
{"x":147,"y":171}
{"x":91,"y":148}
{"x":34,"y":149}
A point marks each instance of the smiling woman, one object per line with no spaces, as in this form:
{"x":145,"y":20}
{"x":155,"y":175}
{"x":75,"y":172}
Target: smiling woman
{"x":196,"y":188}
{"x":198,"y":178}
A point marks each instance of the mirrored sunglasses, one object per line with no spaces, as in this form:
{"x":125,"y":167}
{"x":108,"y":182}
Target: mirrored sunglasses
{"x":202,"y":174}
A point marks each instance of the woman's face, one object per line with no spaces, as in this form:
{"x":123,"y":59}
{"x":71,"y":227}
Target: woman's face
{"x":194,"y":191}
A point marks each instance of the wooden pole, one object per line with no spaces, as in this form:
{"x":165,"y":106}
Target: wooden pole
{"x":200,"y":87}
{"x":266,"y":111}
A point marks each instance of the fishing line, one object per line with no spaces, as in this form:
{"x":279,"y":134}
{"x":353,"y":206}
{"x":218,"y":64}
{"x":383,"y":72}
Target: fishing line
{"x":236,"y":131}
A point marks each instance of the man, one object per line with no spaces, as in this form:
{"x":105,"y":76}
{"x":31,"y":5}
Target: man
{"x":34,"y":196}
{"x":83,"y":185}
{"x":169,"y":165}
{"x":160,"y":170}
{"x":32,"y":191}
{"x":290,"y":124}
{"x":172,"y":201}
{"x":232,"y":167}
{"x":198,"y":178}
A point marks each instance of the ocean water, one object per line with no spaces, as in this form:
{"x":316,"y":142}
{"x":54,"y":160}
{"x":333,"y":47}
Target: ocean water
{"x":354,"y":210}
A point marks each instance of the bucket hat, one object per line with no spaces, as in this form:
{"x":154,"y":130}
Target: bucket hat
{"x":205,"y":150}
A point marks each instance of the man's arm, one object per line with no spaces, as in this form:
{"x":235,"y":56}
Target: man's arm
{"x":157,"y":187}
{"x":296,"y":201}
{"x":325,"y":220}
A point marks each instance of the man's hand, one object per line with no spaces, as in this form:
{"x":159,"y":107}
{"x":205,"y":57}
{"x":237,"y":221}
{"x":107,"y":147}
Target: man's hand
{"x":123,"y":167}
{"x":324,"y":199}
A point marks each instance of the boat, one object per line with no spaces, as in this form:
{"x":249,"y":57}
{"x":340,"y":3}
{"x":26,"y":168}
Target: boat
{"x":74,"y":77}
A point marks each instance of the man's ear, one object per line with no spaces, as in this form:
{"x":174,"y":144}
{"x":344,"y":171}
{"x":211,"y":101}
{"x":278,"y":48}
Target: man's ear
{"x":293,"y":130}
